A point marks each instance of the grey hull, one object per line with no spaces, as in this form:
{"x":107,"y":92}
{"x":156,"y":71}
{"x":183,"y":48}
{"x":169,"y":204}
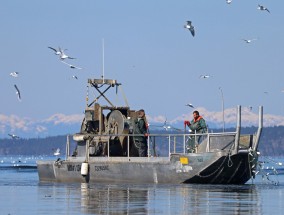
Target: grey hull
{"x":191,"y":168}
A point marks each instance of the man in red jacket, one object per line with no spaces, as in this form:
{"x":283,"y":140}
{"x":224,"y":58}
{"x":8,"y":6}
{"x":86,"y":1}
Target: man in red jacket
{"x":197,"y":126}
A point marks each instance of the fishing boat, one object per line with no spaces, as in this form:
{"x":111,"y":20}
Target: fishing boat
{"x":104,"y":149}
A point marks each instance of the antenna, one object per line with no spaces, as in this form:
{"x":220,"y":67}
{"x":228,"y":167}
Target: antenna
{"x":87,"y":96}
{"x":103,"y":41}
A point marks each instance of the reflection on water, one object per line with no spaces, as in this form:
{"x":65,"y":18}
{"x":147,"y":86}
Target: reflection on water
{"x":114,"y":199}
{"x":157,"y":199}
{"x":23,"y":194}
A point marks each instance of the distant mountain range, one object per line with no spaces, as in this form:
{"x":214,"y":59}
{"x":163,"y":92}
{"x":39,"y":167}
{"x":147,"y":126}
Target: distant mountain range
{"x":60,"y":124}
{"x":271,"y":143}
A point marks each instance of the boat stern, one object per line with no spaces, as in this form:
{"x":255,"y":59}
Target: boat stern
{"x":46,"y":170}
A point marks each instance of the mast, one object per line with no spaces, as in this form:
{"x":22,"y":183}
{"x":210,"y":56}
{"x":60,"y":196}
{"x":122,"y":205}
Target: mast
{"x":103,"y":44}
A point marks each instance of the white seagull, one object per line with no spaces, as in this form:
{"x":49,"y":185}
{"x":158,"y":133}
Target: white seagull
{"x":260,"y":7}
{"x":57,"y":152}
{"x":14,"y":136}
{"x":166,"y":126}
{"x":63,"y":56}
{"x":18,"y":92}
{"x":71,"y":66}
{"x":190,"y":105}
{"x":14,"y":74}
{"x":249,"y":40}
{"x":204,"y":76}
{"x":190,"y":27}
{"x":229,"y":1}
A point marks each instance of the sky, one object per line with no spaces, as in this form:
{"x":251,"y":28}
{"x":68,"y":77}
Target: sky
{"x":148,"y":50}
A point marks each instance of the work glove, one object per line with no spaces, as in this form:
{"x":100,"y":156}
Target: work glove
{"x":186,"y":123}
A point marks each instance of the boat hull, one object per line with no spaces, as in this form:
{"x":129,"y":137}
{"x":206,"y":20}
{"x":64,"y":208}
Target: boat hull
{"x":209,"y":168}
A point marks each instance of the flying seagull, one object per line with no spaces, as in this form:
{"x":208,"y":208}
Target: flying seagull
{"x":166,"y":126}
{"x":14,"y":74}
{"x":71,"y":66}
{"x":190,"y":27}
{"x":190,"y":105}
{"x":14,"y":136}
{"x":75,"y":77}
{"x":56,"y":152}
{"x":204,"y":76}
{"x":249,"y":40}
{"x":18,"y":92}
{"x":229,"y":1}
{"x":63,"y":56}
{"x":260,"y":7}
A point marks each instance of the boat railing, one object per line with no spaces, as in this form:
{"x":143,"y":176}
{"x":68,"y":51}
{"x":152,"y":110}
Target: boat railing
{"x":163,"y":145}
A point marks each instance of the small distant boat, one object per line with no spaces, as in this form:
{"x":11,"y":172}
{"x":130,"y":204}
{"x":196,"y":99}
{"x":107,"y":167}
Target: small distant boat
{"x":104,"y":150}
{"x":57,"y":152}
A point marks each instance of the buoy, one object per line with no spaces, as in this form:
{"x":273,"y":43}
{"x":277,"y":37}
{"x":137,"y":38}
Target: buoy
{"x":84,"y":169}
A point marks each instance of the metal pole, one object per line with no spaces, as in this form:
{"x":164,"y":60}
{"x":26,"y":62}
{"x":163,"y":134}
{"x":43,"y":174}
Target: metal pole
{"x":67,"y":147}
{"x":260,"y":126}
{"x":222,"y":96}
{"x":238,"y":130}
{"x":103,"y":60}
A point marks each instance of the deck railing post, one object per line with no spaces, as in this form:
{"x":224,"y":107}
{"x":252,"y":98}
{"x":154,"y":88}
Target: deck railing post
{"x":184,"y":143}
{"x":67,"y":148}
{"x":175,"y":144}
{"x":260,"y":126}
{"x":128,"y":146}
{"x":208,"y":143}
{"x":169,"y":145}
{"x":148,"y":144}
{"x":108,"y":148}
{"x":238,"y":130}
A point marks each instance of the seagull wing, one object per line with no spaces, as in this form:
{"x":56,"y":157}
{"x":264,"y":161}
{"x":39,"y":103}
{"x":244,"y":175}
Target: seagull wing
{"x":75,"y":67}
{"x":267,"y":10}
{"x":71,"y":66}
{"x":192,"y":31}
{"x":66,"y":63}
{"x":17,"y":88}
{"x":52,"y":48}
{"x":71,"y":57}
{"x":18,"y":91}
{"x":188,"y":23}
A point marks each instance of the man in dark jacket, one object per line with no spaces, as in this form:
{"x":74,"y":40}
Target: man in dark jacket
{"x":140,"y":132}
{"x":197,"y":126}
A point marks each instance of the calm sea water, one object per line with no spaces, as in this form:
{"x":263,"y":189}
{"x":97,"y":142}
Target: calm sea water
{"x":22,"y":193}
